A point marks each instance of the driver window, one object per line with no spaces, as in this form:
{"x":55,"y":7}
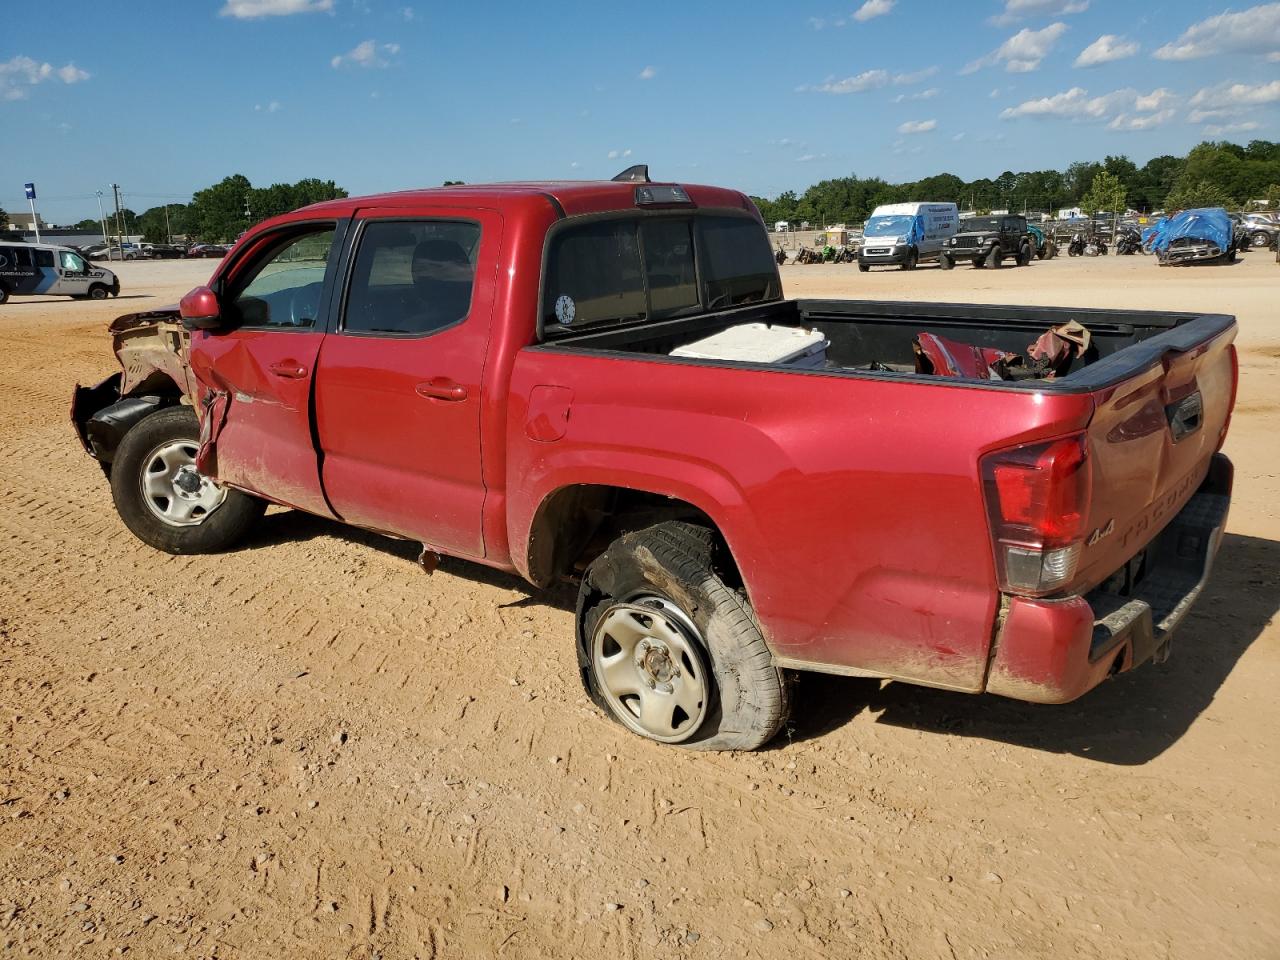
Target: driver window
{"x":283,"y":289}
{"x":71,"y":262}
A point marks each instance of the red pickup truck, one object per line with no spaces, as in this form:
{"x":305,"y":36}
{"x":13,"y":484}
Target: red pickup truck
{"x":565,"y":380}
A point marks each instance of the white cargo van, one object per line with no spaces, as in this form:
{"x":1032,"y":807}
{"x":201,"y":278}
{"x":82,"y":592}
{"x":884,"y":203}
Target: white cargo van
{"x":904,"y":234}
{"x":29,"y":269}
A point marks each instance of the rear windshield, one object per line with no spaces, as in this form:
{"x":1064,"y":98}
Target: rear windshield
{"x":633,"y":269}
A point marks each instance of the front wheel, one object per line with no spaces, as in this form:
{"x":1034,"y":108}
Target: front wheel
{"x":98,"y":292}
{"x":164,"y":500}
{"x":1024,"y":256}
{"x":996,"y":258}
{"x":672,"y":651}
{"x":864,"y":267}
{"x":912,"y":259}
{"x":945,"y":262}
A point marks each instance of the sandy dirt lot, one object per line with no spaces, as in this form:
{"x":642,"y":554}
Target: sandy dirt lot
{"x":307,"y":748}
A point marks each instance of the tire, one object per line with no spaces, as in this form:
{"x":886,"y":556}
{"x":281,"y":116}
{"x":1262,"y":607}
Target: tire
{"x":912,"y":259}
{"x":98,"y":292}
{"x":736,"y":698}
{"x":4,"y":293}
{"x":995,"y":259}
{"x":212,"y":519}
{"x":864,"y":267}
{"x":1260,"y":239}
{"x":1024,"y":256}
{"x":945,"y":262}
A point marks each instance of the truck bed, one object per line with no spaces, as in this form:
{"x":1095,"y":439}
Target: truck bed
{"x":875,"y":337}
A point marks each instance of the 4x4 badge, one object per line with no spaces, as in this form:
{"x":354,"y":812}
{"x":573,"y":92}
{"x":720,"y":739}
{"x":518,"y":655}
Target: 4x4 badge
{"x":1101,"y":532}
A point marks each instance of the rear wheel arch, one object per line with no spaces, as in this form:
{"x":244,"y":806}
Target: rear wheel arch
{"x":575,"y":523}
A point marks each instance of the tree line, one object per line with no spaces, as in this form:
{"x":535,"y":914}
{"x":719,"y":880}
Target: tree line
{"x":1212,"y":174}
{"x":221,"y":212}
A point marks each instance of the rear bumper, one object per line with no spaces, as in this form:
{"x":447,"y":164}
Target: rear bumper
{"x":1052,"y":651}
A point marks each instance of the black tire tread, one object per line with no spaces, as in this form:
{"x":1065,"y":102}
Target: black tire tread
{"x":749,"y":715}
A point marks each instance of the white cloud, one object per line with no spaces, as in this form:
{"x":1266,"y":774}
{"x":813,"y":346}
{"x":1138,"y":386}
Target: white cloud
{"x":648,"y":73}
{"x":1106,"y":49}
{"x":1022,"y":52}
{"x":1148,"y":121}
{"x":272,"y":107}
{"x":906,"y":79}
{"x":1219,"y":130}
{"x":18,"y":74}
{"x":958,"y":137}
{"x":922,"y":95}
{"x":253,"y":9}
{"x":1076,"y":104}
{"x":368,"y":54}
{"x":867,"y":80}
{"x":917,"y":126}
{"x":1232,"y":96}
{"x":1256,"y":30}
{"x":872,"y":9}
{"x":1015,"y":10}
{"x":615,"y":154}
{"x":574,"y":164}
{"x":408,"y":13}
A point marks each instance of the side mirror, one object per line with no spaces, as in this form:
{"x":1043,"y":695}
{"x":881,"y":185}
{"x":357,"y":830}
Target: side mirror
{"x":199,"y":310}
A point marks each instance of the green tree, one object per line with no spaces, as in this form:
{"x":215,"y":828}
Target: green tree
{"x":88,"y":223}
{"x":153,"y":225}
{"x":1203,"y":193}
{"x":1272,"y":198}
{"x":1106,"y":194}
{"x":4,"y":219}
{"x":217,"y":212}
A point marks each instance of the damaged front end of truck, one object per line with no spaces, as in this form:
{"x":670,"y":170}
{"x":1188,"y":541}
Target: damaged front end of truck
{"x":151,"y":347}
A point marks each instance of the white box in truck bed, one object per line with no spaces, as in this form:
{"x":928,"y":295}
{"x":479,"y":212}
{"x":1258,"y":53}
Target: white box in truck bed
{"x":760,"y":343}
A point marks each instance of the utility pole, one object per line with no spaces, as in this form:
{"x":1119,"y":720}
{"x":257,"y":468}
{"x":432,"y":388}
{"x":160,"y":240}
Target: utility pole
{"x":115,"y":187}
{"x":168,"y":237}
{"x":102,"y":217}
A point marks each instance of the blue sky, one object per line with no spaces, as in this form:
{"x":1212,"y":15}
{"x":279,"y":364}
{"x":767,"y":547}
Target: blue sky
{"x":165,"y":97}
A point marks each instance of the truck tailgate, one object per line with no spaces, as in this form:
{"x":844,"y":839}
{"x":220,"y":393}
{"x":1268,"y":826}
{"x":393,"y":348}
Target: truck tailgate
{"x":1151,"y":440}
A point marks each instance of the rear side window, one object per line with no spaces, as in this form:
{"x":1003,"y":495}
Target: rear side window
{"x":738,"y":265}
{"x":11,"y":257}
{"x":44,"y":258}
{"x":412,"y":277}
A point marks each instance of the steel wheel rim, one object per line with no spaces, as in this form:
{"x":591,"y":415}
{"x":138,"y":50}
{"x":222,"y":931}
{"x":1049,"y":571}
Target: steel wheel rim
{"x":647,"y":657}
{"x":173,"y":490}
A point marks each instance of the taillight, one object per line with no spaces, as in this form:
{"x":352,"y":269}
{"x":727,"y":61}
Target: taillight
{"x":1038,"y":503}
{"x":1235,"y":387}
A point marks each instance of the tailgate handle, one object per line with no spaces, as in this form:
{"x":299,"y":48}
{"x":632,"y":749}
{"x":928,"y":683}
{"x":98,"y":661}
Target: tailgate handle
{"x":1185,"y":416}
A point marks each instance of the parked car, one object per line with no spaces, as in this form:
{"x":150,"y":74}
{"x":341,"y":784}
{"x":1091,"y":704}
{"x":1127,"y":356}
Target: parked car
{"x":1205,"y":235}
{"x":1259,"y":231}
{"x":44,"y":269}
{"x":1023,"y":528}
{"x":987,"y":241}
{"x":206,"y":250}
{"x":166,"y":251}
{"x":1045,"y":246}
{"x":906,"y":234}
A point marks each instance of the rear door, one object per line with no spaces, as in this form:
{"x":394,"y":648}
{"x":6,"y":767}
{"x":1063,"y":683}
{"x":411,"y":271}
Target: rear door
{"x":18,"y":273}
{"x":399,"y":382}
{"x":255,"y":372}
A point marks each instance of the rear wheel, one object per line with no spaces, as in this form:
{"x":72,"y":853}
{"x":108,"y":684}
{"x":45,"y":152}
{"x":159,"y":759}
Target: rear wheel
{"x":164,"y":500}
{"x":1261,"y":239}
{"x":4,"y":293}
{"x":670,"y":650}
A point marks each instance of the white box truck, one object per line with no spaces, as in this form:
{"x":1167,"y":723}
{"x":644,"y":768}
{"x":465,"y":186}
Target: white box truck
{"x":904,"y":234}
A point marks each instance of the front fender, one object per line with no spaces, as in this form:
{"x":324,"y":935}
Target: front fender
{"x":102,"y":417}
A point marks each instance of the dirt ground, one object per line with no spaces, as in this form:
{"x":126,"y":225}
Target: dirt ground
{"x":307,"y":748}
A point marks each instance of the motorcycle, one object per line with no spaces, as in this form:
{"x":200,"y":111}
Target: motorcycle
{"x":780,"y":257}
{"x":1083,"y":245}
{"x":1076,"y":247}
{"x":1128,"y":243}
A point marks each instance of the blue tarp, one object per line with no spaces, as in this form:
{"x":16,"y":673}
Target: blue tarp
{"x":1207,"y":223}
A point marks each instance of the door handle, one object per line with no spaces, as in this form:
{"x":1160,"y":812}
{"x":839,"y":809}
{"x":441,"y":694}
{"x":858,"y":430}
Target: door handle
{"x":289,"y":369}
{"x":441,"y":388}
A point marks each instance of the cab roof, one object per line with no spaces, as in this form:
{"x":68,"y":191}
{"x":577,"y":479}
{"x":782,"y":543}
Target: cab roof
{"x":571,"y":197}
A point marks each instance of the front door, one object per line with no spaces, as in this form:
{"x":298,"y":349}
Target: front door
{"x":255,"y":371}
{"x":73,"y":274}
{"x":399,"y":381}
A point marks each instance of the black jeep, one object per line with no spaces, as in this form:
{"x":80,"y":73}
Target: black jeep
{"x":987,"y":241}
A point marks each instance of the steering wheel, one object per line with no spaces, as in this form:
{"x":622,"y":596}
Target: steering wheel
{"x":304,"y":304}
